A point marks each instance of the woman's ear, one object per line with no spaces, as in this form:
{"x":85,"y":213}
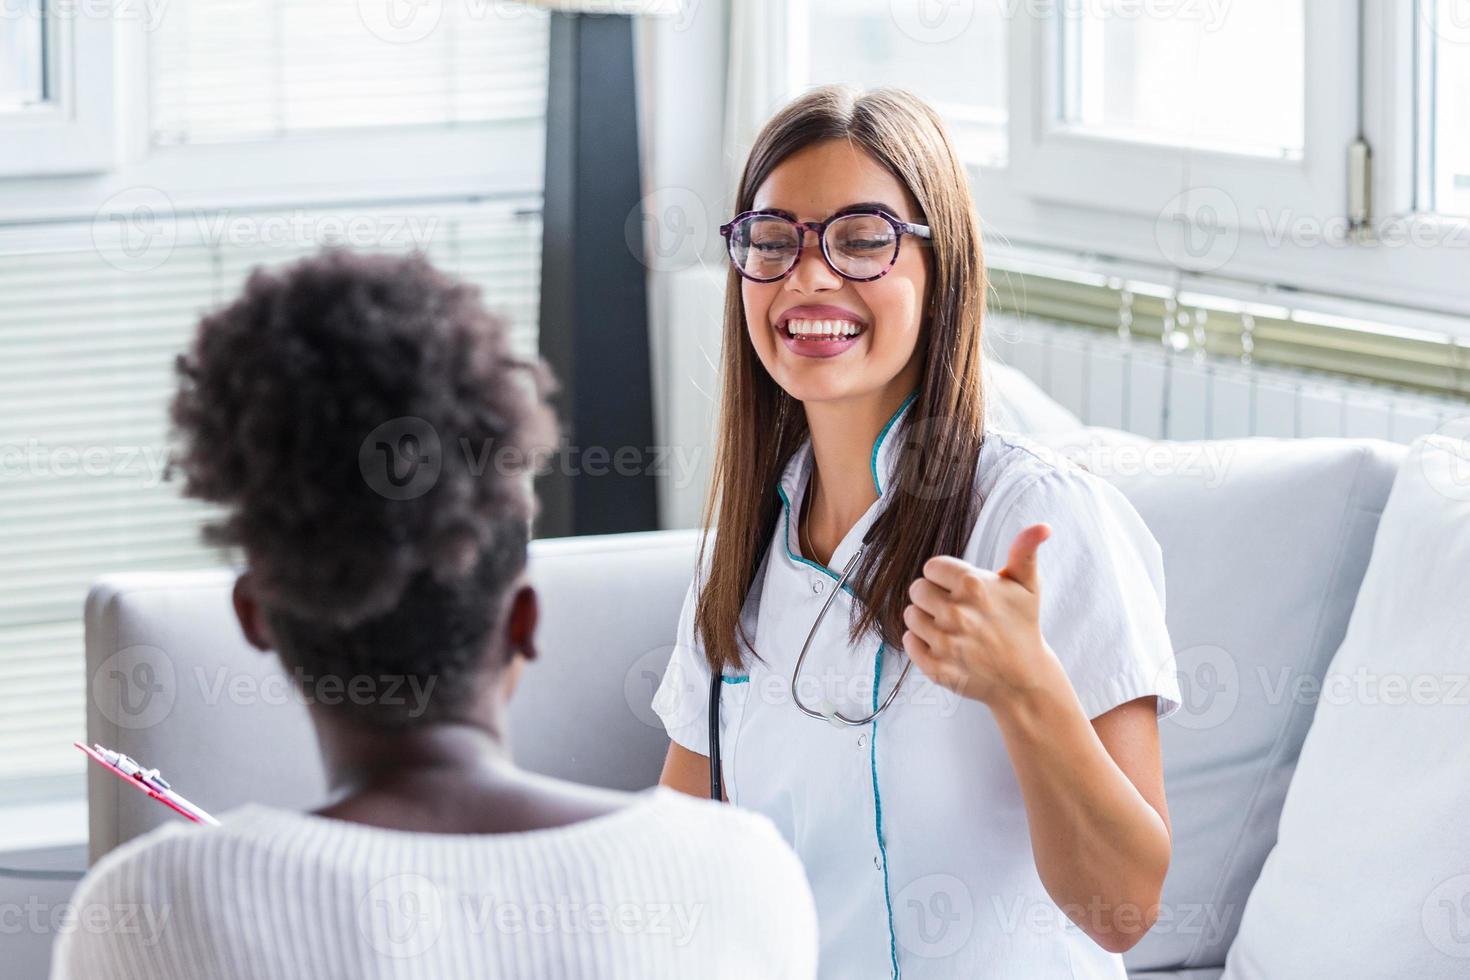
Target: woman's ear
{"x":520,"y":623}
{"x":250,"y":615}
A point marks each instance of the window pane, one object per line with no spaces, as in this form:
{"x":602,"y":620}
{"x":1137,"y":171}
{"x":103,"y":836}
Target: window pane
{"x":1445,"y":186}
{"x":22,"y":66}
{"x":952,"y":54}
{"x":1229,"y":77}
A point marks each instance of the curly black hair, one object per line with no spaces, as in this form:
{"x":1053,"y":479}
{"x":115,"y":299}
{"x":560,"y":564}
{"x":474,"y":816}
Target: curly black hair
{"x":371,"y":437}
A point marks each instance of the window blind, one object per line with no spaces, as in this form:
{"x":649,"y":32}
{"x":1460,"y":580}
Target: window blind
{"x":86,"y":362}
{"x":224,"y":70}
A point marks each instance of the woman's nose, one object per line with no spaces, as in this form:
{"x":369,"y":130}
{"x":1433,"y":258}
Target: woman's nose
{"x":812,"y":273}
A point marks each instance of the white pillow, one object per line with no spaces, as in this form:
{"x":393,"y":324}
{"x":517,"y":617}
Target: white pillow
{"x":1370,"y":876}
{"x":1015,"y":403}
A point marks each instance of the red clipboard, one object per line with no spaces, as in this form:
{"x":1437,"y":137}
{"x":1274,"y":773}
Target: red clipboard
{"x":147,"y":780}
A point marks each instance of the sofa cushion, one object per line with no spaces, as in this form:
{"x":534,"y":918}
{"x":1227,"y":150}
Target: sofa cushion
{"x":1265,"y":542}
{"x":1015,"y":402}
{"x":1370,"y":876}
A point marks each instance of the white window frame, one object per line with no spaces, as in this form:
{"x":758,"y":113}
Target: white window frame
{"x":372,"y":166}
{"x":1053,"y":160}
{"x":1102,"y":198}
{"x":72,"y":132}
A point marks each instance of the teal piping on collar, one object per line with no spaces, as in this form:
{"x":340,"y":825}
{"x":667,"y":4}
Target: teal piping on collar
{"x":873,"y":463}
{"x":734,"y":679}
{"x":786,"y":543}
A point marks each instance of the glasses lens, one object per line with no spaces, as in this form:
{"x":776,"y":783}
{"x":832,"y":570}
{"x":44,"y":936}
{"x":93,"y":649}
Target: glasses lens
{"x":764,"y":246}
{"x":861,"y":245}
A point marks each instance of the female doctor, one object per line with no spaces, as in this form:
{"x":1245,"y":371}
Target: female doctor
{"x":999,"y":811}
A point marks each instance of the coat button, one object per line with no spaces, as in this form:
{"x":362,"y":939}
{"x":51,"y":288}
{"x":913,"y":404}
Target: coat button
{"x":862,"y":740}
{"x":818,"y":586}
{"x":878,"y":861}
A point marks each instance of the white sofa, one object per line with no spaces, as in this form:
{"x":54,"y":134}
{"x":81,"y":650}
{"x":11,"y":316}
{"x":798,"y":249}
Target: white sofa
{"x":1266,"y":543}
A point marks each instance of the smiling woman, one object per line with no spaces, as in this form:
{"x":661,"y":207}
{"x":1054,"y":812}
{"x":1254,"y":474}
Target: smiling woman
{"x":1019,"y":768}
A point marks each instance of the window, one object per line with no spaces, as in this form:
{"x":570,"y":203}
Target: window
{"x":1444,"y":179}
{"x":104,"y":276}
{"x":954,"y":55}
{"x":56,"y":87}
{"x":22,"y":65}
{"x":1313,"y":147}
{"x":1229,"y":78}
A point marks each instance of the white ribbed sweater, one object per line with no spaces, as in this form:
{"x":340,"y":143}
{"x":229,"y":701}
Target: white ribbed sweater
{"x":669,"y":886}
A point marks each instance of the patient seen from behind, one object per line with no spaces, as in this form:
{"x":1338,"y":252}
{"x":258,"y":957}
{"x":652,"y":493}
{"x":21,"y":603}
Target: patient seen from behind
{"x":368,"y":437}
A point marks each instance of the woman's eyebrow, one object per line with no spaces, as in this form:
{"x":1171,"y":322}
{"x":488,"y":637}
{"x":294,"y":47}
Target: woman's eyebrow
{"x":871,"y":206}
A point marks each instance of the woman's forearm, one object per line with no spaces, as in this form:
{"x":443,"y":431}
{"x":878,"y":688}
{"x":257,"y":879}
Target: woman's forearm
{"x":1101,"y":849}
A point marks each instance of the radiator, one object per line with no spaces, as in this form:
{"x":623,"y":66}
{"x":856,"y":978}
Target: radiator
{"x":1137,"y":385}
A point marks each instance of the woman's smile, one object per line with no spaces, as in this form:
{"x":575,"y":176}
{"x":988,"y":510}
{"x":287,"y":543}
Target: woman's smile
{"x":819,"y":331}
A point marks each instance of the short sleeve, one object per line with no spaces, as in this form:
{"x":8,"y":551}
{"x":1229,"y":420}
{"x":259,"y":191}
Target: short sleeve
{"x":682,"y":698}
{"x":1102,"y":588}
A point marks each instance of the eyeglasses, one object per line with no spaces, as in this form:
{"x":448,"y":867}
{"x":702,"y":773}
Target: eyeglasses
{"x":859,"y":244}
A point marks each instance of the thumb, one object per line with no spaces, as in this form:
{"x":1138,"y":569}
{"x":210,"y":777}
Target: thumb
{"x":1021,"y":563}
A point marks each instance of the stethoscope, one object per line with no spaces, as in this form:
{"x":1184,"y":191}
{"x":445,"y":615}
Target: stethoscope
{"x":828,"y":712}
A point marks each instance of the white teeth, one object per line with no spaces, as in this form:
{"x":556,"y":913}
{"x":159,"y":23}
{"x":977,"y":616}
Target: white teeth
{"x":823,"y":328}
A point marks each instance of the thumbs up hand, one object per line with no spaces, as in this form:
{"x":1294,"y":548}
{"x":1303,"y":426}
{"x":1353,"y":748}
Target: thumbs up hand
{"x":978,"y":632}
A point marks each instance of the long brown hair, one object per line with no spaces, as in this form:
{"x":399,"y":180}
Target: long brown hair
{"x":932,"y":504}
